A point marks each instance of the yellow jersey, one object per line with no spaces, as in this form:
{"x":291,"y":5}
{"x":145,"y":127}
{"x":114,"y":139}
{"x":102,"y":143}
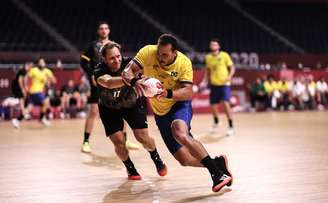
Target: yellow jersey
{"x":283,"y":87}
{"x":270,"y":87}
{"x":219,"y":68}
{"x":39,"y":78}
{"x":171,"y":76}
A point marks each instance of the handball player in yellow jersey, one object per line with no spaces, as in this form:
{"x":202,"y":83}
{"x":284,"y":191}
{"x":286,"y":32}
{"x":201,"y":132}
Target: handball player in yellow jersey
{"x":172,"y":108}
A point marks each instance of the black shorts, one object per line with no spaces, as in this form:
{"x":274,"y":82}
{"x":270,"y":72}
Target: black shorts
{"x":112,"y":119}
{"x":17,"y":92}
{"x":94,"y":95}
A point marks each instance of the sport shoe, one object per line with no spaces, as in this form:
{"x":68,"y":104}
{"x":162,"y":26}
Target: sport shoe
{"x":131,"y":145}
{"x":133,"y":174}
{"x":86,"y":147}
{"x":222,"y":163}
{"x":45,"y":121}
{"x":220,"y":182}
{"x":214,"y":128}
{"x":16,"y":123}
{"x":230,"y":132}
{"x":160,"y":166}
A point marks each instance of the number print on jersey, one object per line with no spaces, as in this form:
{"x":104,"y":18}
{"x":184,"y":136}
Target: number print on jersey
{"x":116,"y":94}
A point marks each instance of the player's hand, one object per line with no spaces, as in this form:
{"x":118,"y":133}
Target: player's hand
{"x":139,"y":87}
{"x":162,"y":94}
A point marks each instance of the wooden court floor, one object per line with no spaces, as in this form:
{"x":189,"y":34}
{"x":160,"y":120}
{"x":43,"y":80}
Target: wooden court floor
{"x":274,"y":156}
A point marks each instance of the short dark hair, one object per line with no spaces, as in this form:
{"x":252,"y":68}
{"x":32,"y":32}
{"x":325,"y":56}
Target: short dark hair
{"x":215,"y":40}
{"x":110,"y":45}
{"x":166,"y":39}
{"x":102,"y":22}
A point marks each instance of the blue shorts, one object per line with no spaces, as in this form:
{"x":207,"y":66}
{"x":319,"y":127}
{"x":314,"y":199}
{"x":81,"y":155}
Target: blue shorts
{"x":220,"y":93}
{"x":37,"y":98}
{"x":181,"y":110}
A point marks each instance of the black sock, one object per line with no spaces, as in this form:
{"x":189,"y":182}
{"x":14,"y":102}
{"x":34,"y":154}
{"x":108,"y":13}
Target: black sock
{"x":86,"y":137}
{"x":208,"y":162}
{"x":216,"y":120}
{"x":230,"y":123}
{"x":41,"y":115}
{"x":21,"y":117}
{"x":154,"y":154}
{"x":130,"y":167}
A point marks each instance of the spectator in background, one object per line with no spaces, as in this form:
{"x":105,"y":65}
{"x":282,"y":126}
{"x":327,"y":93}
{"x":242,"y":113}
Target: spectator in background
{"x":258,"y":94}
{"x":303,"y":93}
{"x":271,"y":88}
{"x":55,"y":101}
{"x":322,"y":93}
{"x":83,"y":89}
{"x":19,"y":89}
{"x":70,"y":96}
{"x":284,"y":90}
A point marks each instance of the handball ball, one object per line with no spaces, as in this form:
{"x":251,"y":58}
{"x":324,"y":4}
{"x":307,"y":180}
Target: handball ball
{"x":152,"y":87}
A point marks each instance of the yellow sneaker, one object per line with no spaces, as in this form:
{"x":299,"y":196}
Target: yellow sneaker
{"x":131,"y":145}
{"x":86,"y":147}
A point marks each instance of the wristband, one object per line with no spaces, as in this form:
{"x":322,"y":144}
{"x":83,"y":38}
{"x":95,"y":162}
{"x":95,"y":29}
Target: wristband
{"x":169,"y":94}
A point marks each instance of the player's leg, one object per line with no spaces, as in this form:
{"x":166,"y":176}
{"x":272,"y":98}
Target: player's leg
{"x":174,"y":128}
{"x":137,"y":119}
{"x":88,"y":126}
{"x":44,"y":103}
{"x":128,"y":143}
{"x":214,"y":101}
{"x":226,"y":94}
{"x":113,"y":127}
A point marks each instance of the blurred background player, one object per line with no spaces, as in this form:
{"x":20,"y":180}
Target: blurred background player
{"x":118,"y":102}
{"x":40,"y":76}
{"x":89,"y":60}
{"x":20,"y":89}
{"x":172,"y":108}
{"x":220,"y":70}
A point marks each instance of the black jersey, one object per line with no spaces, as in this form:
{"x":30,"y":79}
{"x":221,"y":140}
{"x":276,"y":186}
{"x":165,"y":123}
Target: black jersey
{"x":116,"y":98}
{"x":15,"y":82}
{"x":91,"y":57}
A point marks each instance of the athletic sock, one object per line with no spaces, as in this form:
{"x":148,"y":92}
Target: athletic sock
{"x":209,"y":163}
{"x":216,"y":120}
{"x":20,"y":118}
{"x":41,"y":115}
{"x":230,"y":123}
{"x":130,"y":167}
{"x":86,"y":137}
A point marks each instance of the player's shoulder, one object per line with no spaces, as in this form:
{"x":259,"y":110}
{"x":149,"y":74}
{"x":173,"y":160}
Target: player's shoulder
{"x":148,"y":48}
{"x":224,"y":54}
{"x":182,"y":58}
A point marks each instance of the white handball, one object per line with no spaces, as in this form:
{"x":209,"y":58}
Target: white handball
{"x":152,"y":87}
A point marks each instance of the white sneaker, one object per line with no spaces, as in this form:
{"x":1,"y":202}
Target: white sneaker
{"x":230,"y":132}
{"x":214,"y":128}
{"x":16,"y":123}
{"x":45,"y":121}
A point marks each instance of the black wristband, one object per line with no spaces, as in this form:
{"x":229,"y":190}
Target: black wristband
{"x":133,"y":81}
{"x":169,"y":94}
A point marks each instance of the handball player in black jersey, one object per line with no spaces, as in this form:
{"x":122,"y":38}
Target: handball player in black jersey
{"x":118,"y":102}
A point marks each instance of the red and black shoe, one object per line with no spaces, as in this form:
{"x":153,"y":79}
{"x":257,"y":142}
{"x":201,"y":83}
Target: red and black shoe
{"x":220,"y":182}
{"x":222,"y":163}
{"x":160,"y":166}
{"x":134,"y":175}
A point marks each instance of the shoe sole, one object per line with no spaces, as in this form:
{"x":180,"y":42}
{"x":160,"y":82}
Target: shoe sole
{"x":227,"y":166}
{"x":163,"y":171}
{"x":134,"y":177}
{"x":218,"y":187}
